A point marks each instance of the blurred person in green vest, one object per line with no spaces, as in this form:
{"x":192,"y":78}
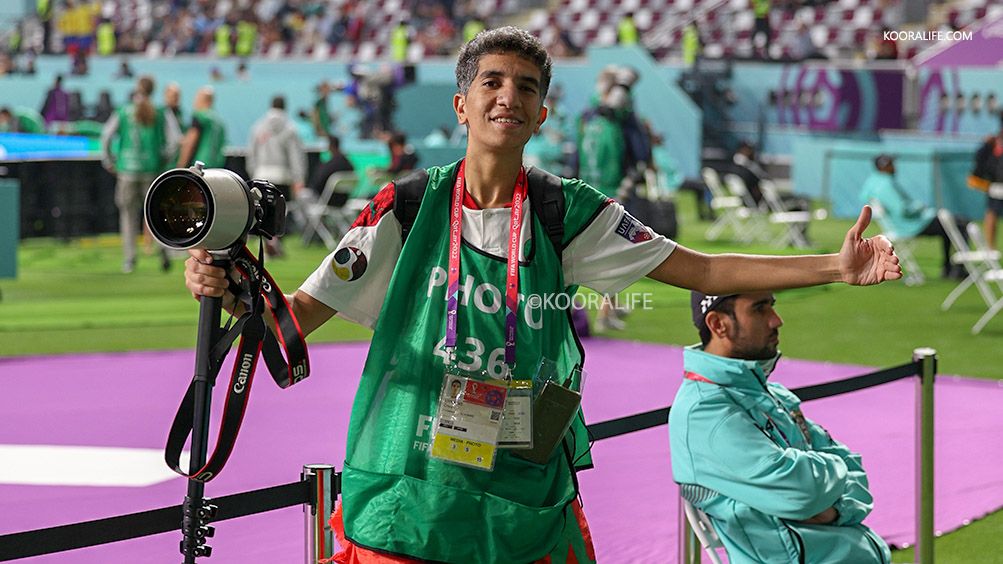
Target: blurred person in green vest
{"x":205,"y":137}
{"x":20,"y":119}
{"x":400,"y":38}
{"x":691,"y":43}
{"x":321,"y":116}
{"x":761,"y":10}
{"x":44,"y":9}
{"x":138,"y":142}
{"x":14,"y":42}
{"x":106,"y":38}
{"x":626,"y":30}
{"x":224,"y":47}
{"x":472,"y":27}
{"x":247,"y":36}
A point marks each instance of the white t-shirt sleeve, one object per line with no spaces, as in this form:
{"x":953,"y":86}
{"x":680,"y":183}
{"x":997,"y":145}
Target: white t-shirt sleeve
{"x":614,"y":251}
{"x":353,"y":280}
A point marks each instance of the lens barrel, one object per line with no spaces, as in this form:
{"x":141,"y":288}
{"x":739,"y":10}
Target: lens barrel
{"x":194,"y":208}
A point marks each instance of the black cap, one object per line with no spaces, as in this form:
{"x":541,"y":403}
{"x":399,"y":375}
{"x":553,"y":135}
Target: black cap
{"x":883,"y":160}
{"x":702,"y":304}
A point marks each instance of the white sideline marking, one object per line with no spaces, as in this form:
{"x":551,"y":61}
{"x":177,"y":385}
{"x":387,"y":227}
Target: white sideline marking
{"x":54,"y":465}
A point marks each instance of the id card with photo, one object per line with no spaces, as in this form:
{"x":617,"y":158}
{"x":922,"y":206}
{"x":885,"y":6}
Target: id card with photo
{"x":468,"y":421}
{"x":517,"y":427}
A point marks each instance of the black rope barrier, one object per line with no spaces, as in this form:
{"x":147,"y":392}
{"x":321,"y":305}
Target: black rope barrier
{"x":658,"y":417}
{"x":134,"y":525}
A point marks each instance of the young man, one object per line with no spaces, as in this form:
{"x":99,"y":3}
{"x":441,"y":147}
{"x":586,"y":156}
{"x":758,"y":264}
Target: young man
{"x":776,"y":485}
{"x":401,"y":505}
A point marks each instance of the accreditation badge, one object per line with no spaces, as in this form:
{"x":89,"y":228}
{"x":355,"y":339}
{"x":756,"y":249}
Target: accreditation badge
{"x":468,"y":421}
{"x":517,"y":426}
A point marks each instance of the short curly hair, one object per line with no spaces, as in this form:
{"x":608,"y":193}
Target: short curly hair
{"x":507,"y":39}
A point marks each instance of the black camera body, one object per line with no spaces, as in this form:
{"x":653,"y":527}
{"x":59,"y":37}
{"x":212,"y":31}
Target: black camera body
{"x":212,"y":209}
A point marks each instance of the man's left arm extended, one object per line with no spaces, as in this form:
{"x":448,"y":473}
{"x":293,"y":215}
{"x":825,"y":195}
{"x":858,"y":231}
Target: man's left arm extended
{"x":859,"y":262}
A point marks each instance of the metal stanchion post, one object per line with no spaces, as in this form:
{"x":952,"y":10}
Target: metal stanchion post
{"x":924,"y":454}
{"x":319,"y":536}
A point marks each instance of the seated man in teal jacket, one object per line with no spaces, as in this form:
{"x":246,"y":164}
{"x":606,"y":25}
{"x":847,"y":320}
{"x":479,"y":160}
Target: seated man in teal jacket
{"x":908,"y":217}
{"x":778,"y":488}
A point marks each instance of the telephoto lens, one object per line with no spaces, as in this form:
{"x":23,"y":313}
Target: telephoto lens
{"x":200,"y":208}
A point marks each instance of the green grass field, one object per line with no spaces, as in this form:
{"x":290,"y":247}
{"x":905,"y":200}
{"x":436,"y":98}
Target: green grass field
{"x":72,"y":297}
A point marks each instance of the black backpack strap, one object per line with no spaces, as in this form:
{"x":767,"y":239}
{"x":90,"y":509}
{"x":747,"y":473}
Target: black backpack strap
{"x":408,"y":192}
{"x":546,"y":195}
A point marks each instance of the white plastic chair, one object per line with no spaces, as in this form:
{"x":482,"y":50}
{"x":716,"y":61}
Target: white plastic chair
{"x":730,"y":209}
{"x":983,"y":265}
{"x":703,"y":528}
{"x":329,"y":222}
{"x":794,"y":222}
{"x":755,"y":214}
{"x":912,"y":273}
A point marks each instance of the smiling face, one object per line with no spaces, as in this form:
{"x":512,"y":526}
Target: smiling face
{"x":503,"y":107}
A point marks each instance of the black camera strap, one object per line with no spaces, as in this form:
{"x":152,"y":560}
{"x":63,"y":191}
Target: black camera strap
{"x":255,"y":289}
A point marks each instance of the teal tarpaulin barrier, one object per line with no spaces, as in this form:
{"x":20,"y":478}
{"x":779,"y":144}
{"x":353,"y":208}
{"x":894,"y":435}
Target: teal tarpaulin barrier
{"x":10,"y":226}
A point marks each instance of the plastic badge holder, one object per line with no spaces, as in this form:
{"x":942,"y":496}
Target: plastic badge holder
{"x":468,"y":420}
{"x":517,"y":426}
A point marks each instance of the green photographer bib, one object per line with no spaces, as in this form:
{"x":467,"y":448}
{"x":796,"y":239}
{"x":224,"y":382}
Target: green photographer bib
{"x":395,"y":497}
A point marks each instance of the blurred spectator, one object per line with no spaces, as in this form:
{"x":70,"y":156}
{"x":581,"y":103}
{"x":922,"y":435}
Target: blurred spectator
{"x":8,"y":123}
{"x":321,"y":116}
{"x":761,"y":10}
{"x":402,"y":155}
{"x":802,"y":46}
{"x":45,"y":13}
{"x":105,"y":34}
{"x":243,"y":75}
{"x":558,"y":41}
{"x":124,"y":70}
{"x":79,"y":65}
{"x":138,"y":142}
{"x":77,"y":25}
{"x":373,"y":94}
{"x":7,"y":65}
{"x":626,"y":30}
{"x":172,"y":101}
{"x":400,"y":37}
{"x":887,"y":48}
{"x":206,"y":136}
{"x":909,"y":217}
{"x":21,"y":120}
{"x":277,"y":155}
{"x":337,"y":163}
{"x":56,"y":107}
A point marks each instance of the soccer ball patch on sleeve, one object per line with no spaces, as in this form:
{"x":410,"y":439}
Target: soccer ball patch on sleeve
{"x":349,"y":263}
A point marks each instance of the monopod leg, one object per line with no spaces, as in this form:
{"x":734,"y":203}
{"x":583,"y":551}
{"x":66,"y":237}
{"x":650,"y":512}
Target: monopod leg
{"x":195,"y":515}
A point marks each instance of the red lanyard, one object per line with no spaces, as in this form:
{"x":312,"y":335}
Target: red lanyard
{"x":511,"y":271}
